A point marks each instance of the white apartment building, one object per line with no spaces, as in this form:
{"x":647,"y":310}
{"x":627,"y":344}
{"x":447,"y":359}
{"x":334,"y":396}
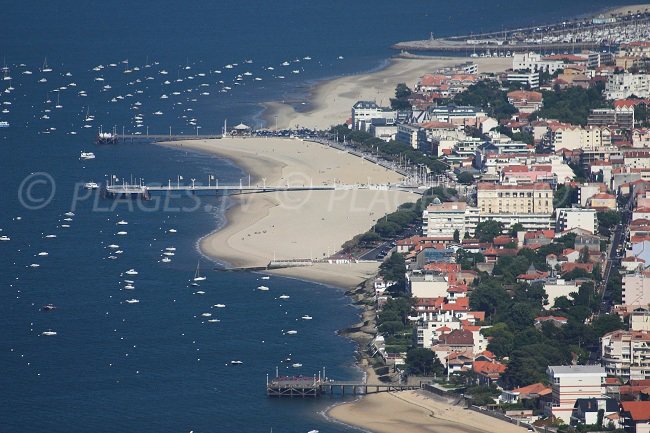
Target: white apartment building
{"x":575,"y":218}
{"x":531,"y":79}
{"x":626,"y":354}
{"x":441,"y":220}
{"x":533,"y":62}
{"x":573,"y":137}
{"x":622,"y":86}
{"x":458,"y":115}
{"x":636,"y":289}
{"x":364,"y":111}
{"x":570,"y":382}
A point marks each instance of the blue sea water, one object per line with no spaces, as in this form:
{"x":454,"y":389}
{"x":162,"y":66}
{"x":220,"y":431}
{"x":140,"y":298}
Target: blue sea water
{"x":159,"y":365}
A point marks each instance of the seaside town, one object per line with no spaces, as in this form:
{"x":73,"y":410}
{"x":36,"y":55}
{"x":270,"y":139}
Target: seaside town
{"x":518,"y":283}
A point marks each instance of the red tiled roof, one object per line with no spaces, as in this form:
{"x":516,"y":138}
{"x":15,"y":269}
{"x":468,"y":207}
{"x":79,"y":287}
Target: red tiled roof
{"x":488,"y":368}
{"x":535,"y":388}
{"x":491,"y":186}
{"x":458,"y":337}
{"x":638,"y":410}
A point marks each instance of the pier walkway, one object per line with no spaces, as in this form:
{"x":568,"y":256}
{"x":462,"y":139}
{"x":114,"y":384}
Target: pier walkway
{"x":298,"y":386}
{"x":144,"y":191}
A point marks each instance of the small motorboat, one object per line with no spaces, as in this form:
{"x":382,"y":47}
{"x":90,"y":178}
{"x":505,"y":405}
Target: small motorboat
{"x":307,"y":317}
{"x":48,"y":307}
{"x":132,"y":301}
{"x":263,"y":288}
{"x":91,"y":185}
{"x":48,"y":333}
{"x":131,"y":272}
{"x":292,"y":332}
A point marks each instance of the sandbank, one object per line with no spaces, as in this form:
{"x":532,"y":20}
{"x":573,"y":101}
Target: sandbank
{"x":415,"y":412}
{"x":331,"y":101}
{"x":303,"y":224}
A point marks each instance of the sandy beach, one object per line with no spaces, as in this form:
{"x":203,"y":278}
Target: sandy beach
{"x":331,"y":101}
{"x":302,"y":224}
{"x":415,"y":412}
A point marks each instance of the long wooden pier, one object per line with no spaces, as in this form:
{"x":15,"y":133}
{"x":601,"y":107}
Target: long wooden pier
{"x":144,"y":191}
{"x":299,"y":386}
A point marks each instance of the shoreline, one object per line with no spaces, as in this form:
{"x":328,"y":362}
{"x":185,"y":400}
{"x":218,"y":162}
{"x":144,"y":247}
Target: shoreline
{"x":256,"y":230}
{"x":415,"y":412}
{"x":331,"y":100}
{"x":244,"y":238}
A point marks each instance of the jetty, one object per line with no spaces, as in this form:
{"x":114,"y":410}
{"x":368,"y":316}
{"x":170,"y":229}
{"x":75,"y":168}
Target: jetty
{"x":300,"y":386}
{"x":593,"y":33}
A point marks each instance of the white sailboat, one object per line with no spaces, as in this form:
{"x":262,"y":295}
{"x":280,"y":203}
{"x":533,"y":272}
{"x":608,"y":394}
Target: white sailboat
{"x":197,"y":275}
{"x":45,"y":67}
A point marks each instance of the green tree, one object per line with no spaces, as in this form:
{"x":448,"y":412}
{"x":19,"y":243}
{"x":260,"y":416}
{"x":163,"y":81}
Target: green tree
{"x":571,"y":105}
{"x":517,"y":227}
{"x":466,"y":178}
{"x":420,"y":361}
{"x":456,"y":236}
{"x":402,"y":91}
{"x":486,"y":231}
{"x":608,"y":219}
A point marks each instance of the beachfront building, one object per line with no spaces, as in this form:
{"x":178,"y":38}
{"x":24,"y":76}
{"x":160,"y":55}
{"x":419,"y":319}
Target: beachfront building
{"x":626,"y":354}
{"x":414,"y":136}
{"x":571,"y":382}
{"x":363,"y":112}
{"x":441,"y":220}
{"x":575,"y":218}
{"x":621,"y":86}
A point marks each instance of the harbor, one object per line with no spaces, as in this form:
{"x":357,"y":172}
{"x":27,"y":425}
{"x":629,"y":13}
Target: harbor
{"x":602,"y":32}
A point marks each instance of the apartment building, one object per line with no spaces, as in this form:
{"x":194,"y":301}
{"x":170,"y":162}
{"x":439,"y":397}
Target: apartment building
{"x":636,"y":289}
{"x":441,"y":220}
{"x":621,"y":86}
{"x":530,"y":79}
{"x":575,"y":218}
{"x":626,"y":354}
{"x":573,"y":137}
{"x":364,"y":111}
{"x":571,"y":382}
{"x":536,"y":198}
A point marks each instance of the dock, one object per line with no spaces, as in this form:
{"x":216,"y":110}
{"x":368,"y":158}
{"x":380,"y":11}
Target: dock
{"x":300,"y":386}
